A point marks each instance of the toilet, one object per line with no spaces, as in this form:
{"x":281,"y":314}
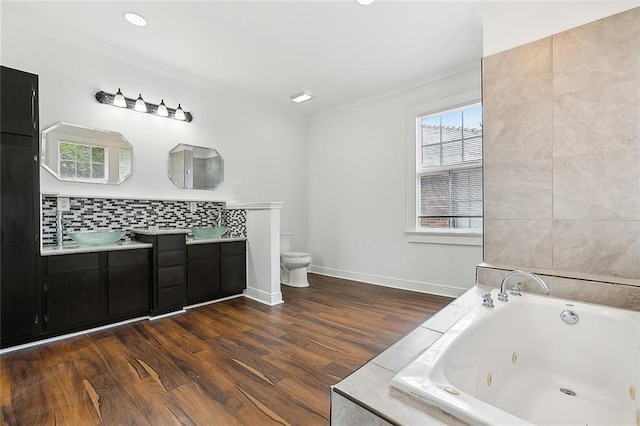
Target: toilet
{"x":293,"y":264}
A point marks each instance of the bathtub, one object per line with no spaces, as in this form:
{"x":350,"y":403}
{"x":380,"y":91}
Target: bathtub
{"x":519,"y":363}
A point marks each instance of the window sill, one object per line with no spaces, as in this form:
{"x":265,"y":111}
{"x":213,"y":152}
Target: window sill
{"x":449,"y":236}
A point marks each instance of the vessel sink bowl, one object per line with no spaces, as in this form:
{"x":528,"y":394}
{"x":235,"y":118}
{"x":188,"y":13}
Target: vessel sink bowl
{"x":95,"y":238}
{"x":209,"y":232}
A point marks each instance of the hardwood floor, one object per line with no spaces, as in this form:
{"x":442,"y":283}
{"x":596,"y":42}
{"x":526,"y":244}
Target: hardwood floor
{"x":234,"y":362}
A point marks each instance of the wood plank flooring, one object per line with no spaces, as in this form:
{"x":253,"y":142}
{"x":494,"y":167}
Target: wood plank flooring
{"x":234,"y":362}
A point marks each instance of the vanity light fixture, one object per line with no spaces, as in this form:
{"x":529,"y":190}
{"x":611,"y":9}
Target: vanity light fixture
{"x":119,"y":100}
{"x":162,"y":109}
{"x":180,"y":113}
{"x":135,"y":19}
{"x":301,"y":97}
{"x":141,"y":105}
{"x":365,"y":2}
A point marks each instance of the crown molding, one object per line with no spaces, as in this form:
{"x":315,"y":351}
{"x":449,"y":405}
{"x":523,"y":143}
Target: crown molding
{"x":468,"y":69}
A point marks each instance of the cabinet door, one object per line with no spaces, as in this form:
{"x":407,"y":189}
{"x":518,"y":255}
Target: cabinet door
{"x":233,"y":268}
{"x":75,"y":300}
{"x":19,"y":102}
{"x":19,"y":245}
{"x":129,"y":290}
{"x":129,"y":283}
{"x":203,"y":272}
{"x":203,"y":279}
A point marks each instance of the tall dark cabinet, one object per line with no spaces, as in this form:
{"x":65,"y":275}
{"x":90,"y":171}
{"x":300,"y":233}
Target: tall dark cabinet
{"x":19,"y":207}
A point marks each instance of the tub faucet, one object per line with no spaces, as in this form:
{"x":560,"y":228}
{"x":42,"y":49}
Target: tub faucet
{"x":502,"y":296}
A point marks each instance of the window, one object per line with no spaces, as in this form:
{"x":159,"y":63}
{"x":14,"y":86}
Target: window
{"x":449,"y":169}
{"x":82,"y":162}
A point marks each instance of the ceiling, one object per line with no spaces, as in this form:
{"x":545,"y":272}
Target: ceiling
{"x":337,"y":50}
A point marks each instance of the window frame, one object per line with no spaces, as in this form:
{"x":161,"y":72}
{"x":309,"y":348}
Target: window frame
{"x":452,"y":236}
{"x":91,"y":162}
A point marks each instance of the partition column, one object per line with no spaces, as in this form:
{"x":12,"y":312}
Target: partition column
{"x":263,"y":251}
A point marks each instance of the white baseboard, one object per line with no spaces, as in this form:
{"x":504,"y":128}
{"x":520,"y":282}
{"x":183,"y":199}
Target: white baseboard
{"x":417,"y":286}
{"x":270,"y":299}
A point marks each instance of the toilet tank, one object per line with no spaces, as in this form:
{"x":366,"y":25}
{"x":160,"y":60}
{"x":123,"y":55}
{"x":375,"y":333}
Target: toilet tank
{"x":285,"y":241}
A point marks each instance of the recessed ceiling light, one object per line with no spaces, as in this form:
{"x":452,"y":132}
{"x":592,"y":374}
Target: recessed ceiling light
{"x":365,"y":2}
{"x":301,"y":97}
{"x":135,"y":19}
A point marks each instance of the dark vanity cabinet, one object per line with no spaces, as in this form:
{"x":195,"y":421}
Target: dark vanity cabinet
{"x":215,"y":270}
{"x":19,"y":208}
{"x":168,"y":271}
{"x":75,"y":291}
{"x":129,"y":283}
{"x":90,"y":289}
{"x":203,"y":272}
{"x":233,"y":267}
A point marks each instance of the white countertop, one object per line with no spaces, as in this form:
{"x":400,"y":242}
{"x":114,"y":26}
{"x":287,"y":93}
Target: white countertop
{"x":73,"y":248}
{"x":192,"y":240}
{"x":160,"y":231}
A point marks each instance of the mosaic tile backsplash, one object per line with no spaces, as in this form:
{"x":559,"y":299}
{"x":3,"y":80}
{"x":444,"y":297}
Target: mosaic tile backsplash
{"x":88,"y":214}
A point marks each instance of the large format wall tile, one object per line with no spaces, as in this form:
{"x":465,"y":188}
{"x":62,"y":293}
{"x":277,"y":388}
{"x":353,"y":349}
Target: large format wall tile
{"x":517,"y":76}
{"x":607,"y":248}
{"x":593,"y":187}
{"x":602,"y":118}
{"x":574,"y":96}
{"x":597,"y":54}
{"x":518,"y":190}
{"x":521,"y":243}
{"x":518,"y":133}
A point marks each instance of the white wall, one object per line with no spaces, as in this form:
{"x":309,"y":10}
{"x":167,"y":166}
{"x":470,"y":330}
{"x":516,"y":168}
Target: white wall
{"x":357,"y":201}
{"x":511,"y":24}
{"x":264,"y":148}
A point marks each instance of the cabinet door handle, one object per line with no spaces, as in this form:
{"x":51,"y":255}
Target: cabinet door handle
{"x":36,"y":320}
{"x":33,"y":108}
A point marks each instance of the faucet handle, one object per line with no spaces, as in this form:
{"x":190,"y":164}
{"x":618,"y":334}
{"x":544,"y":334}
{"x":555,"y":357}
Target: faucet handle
{"x":487,"y":301}
{"x":515,"y":289}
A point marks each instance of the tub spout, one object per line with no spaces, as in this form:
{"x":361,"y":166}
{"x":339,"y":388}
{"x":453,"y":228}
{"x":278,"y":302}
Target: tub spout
{"x":502,"y":296}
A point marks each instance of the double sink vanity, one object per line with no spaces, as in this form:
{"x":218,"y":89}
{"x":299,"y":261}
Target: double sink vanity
{"x":160,"y":271}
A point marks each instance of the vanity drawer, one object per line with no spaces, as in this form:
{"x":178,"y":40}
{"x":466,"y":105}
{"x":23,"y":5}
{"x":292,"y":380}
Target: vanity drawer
{"x":233,"y":248}
{"x":170,"y":258}
{"x":129,"y":257}
{"x":171,"y":242}
{"x":171,"y":276}
{"x":73,"y":262}
{"x":203,"y":251}
{"x":172,"y":296}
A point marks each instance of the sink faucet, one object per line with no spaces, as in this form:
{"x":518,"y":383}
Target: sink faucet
{"x":59,"y":227}
{"x":502,"y":296}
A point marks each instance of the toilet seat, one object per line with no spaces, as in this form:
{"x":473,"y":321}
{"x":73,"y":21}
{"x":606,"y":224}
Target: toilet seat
{"x":294,"y":254}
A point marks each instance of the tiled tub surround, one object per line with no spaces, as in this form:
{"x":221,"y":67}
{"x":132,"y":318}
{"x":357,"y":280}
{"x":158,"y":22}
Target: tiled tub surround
{"x":623,"y":294}
{"x":562,"y":153}
{"x":87,"y":213}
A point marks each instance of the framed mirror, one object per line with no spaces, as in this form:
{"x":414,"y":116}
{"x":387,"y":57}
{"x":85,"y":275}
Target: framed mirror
{"x":195,"y":167}
{"x":76,"y":153}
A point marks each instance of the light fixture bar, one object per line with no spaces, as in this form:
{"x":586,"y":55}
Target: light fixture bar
{"x":107,"y":99}
{"x":301,"y":97}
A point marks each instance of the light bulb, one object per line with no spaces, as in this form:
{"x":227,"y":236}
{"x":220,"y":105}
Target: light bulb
{"x":119,"y":100}
{"x":162,"y":109}
{"x":180,"y":113}
{"x":140,"y":104}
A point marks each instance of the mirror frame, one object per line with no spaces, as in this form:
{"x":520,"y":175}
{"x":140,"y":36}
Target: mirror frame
{"x":112,"y":141}
{"x":181,"y":176}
